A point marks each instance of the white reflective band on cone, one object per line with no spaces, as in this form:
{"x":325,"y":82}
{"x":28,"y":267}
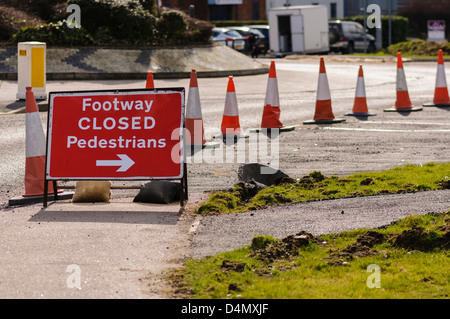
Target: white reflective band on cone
{"x":35,"y":137}
{"x":323,"y":89}
{"x":360,"y":88}
{"x":272,"y":96}
{"x":401,"y":80}
{"x":231,"y":108}
{"x":441,"y":80}
{"x":193,"y":109}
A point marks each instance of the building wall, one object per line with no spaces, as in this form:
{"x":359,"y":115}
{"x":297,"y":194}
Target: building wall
{"x":355,"y":7}
{"x":204,"y":10}
{"x":200,"y":11}
{"x":335,"y":7}
{"x":252,"y":10}
{"x":246,"y":11}
{"x":404,"y":3}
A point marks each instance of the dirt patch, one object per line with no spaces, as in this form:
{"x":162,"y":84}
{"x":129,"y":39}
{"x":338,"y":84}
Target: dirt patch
{"x":290,"y":246}
{"x":247,"y":190}
{"x":367,"y":181}
{"x":307,"y":180}
{"x":371,"y":238}
{"x":179,"y":287}
{"x":362,"y":248}
{"x":420,"y":239}
{"x":286,"y":248}
{"x":234,"y":287}
{"x":286,"y":181}
{"x":445,"y":228}
{"x":235,"y":266}
{"x":312,"y":180}
{"x":445,"y":183}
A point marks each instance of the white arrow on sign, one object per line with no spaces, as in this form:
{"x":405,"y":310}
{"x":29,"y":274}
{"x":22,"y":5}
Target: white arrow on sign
{"x":125,"y":163}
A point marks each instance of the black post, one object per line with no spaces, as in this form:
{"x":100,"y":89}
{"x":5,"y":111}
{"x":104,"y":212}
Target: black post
{"x":45,"y":192}
{"x":185,"y":182}
{"x":55,"y":189}
{"x":184,"y":186}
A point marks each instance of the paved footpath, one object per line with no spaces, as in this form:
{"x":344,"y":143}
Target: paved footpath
{"x":124,"y":249}
{"x":116,"y":250}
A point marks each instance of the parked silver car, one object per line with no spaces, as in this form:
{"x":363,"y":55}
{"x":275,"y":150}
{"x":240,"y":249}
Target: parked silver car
{"x":229,"y":37}
{"x":349,"y":37}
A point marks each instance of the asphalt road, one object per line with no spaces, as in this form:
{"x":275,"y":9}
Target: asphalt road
{"x":123,"y":249}
{"x":420,"y":134}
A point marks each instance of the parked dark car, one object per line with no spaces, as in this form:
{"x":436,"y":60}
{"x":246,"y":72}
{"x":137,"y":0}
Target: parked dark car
{"x":260,"y":38}
{"x":264,"y":29}
{"x":348,"y":37}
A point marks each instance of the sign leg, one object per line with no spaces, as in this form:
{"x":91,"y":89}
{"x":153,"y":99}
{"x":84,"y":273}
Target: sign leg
{"x":45,"y":193}
{"x":55,"y":189}
{"x":185,"y":182}
{"x":182,"y":193}
{"x":184,"y":187}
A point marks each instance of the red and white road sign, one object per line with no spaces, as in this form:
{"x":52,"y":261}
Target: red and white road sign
{"x":120,"y":134}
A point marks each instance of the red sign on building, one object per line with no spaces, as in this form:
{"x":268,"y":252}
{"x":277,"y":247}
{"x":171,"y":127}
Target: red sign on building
{"x":116,"y":135}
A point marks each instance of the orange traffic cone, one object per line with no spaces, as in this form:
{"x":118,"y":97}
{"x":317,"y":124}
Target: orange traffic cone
{"x":403,"y":102}
{"x":195,"y":134}
{"x":35,"y":149}
{"x":230,"y":121}
{"x":441,"y":97}
{"x":360,"y":108}
{"x":149,"y":84}
{"x":271,"y":112}
{"x":324,"y":113}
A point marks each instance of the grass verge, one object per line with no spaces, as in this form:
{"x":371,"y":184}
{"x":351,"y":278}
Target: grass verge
{"x":316,"y":186}
{"x":404,"y":55}
{"x":414,"y":49}
{"x":408,"y":259}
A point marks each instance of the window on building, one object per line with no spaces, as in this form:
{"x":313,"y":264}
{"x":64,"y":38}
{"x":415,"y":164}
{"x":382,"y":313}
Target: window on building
{"x":220,"y":12}
{"x":255,"y":10}
{"x":333,"y":10}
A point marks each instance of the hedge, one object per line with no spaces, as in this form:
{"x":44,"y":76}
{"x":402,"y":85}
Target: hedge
{"x":58,"y":33}
{"x":117,"y":21}
{"x":135,"y":22}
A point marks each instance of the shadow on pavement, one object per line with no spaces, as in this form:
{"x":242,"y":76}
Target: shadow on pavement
{"x":109,"y":213}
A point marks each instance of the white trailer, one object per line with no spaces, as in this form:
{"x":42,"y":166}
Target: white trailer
{"x":299,"y":29}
